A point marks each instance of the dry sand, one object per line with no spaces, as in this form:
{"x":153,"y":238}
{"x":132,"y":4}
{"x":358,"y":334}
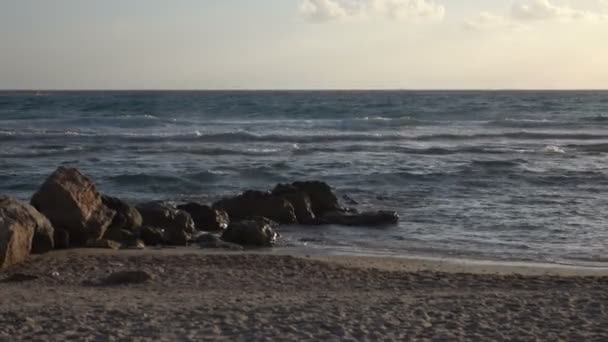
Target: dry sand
{"x":251,"y":297}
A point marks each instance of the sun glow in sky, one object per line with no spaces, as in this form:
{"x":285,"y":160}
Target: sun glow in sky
{"x":303,"y":44}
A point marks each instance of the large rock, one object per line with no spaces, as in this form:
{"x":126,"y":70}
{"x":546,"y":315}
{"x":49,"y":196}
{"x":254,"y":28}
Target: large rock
{"x":206,"y":218}
{"x":253,"y":232}
{"x":300,"y":201}
{"x":152,"y":236}
{"x":43,"y":240}
{"x":322,"y":197}
{"x":16,"y":233}
{"x":258,"y":203}
{"x":370,"y":218}
{"x":62,"y":239}
{"x":127,"y":217}
{"x":213,"y":241}
{"x":70,"y":201}
{"x":177,"y":224}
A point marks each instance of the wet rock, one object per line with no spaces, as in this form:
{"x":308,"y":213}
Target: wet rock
{"x":177,"y":224}
{"x":370,"y":218}
{"x":322,"y":197}
{"x":206,"y":218}
{"x":127,"y":217}
{"x":43,"y":240}
{"x":214,"y":241}
{"x":258,"y":203}
{"x":300,"y":201}
{"x":152,"y":236}
{"x":106,"y":244}
{"x":252,"y":232}
{"x":62,"y":239}
{"x":127,"y":277}
{"x":70,"y":200}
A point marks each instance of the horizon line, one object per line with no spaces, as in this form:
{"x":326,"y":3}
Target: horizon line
{"x":294,"y":89}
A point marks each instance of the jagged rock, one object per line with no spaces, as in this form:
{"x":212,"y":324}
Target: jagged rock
{"x":177,"y":224}
{"x":206,"y":218}
{"x":370,"y":218}
{"x":253,"y":232}
{"x":152,"y":236}
{"x":127,"y":217}
{"x":43,"y":240}
{"x":107,"y":244}
{"x":62,"y":239}
{"x":322,"y":197}
{"x":214,"y":241}
{"x":258,"y":203}
{"x":16,"y":233}
{"x":127,"y":277}
{"x":300,"y":201}
{"x":70,"y":200}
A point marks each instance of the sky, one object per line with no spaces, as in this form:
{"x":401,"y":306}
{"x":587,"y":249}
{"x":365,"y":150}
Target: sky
{"x":304,"y":44}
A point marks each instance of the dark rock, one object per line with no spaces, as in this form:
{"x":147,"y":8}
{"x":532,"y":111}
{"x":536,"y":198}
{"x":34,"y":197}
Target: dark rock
{"x":370,"y":218}
{"x":214,"y":241}
{"x":349,"y":200}
{"x":70,"y":200}
{"x":177,"y":224}
{"x":206,"y":218}
{"x":127,"y":217}
{"x":152,"y":236}
{"x":106,"y":244}
{"x":300,"y":201}
{"x":43,"y":240}
{"x":127,"y":277}
{"x":62,"y":239}
{"x":321,"y":195}
{"x":253,"y":232}
{"x":258,"y":203}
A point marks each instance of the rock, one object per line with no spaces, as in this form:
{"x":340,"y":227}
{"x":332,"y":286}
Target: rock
{"x":322,"y":197}
{"x":43,"y":240}
{"x":108,"y":244}
{"x":15,"y":240}
{"x":127,"y":277}
{"x":258,"y":203}
{"x":299,"y":200}
{"x":70,"y":200}
{"x":214,"y":241}
{"x":253,"y":232}
{"x":62,"y":239}
{"x":370,"y":218}
{"x":152,"y":236}
{"x":177,"y":224}
{"x":206,"y":218}
{"x":127,"y":217}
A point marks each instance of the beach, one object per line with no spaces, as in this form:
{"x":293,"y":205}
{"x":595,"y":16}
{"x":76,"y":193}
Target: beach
{"x":194,"y":295}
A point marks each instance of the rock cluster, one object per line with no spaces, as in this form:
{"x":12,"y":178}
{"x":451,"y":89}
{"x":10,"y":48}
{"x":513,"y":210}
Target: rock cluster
{"x":68,"y":211}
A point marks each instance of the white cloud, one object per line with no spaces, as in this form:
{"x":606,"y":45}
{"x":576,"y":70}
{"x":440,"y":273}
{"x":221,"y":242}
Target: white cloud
{"x":489,"y":21}
{"x":545,"y":10}
{"x":327,"y":10}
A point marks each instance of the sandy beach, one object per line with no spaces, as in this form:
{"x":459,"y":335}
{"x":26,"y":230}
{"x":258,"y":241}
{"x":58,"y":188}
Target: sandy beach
{"x":245,"y":296}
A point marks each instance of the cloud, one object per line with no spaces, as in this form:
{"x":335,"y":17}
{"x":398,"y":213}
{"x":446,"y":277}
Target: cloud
{"x":328,"y":10}
{"x":489,"y":21}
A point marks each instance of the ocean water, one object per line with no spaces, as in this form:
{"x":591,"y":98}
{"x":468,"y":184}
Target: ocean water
{"x":491,"y":175}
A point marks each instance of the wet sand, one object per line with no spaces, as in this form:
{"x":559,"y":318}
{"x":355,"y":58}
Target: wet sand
{"x":259,"y":296}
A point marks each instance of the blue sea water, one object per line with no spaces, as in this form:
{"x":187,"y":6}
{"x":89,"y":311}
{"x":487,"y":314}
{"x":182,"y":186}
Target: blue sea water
{"x":492,"y":175}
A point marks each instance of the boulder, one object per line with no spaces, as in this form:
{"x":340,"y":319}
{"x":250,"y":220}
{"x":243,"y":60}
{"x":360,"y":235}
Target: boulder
{"x":258,"y":203}
{"x":177,"y":225}
{"x":43,"y":240}
{"x":16,"y":234}
{"x":299,"y":200}
{"x":103,"y":243}
{"x":152,"y":236}
{"x":370,"y":218}
{"x":214,"y":241}
{"x":127,"y":217}
{"x":206,"y":218}
{"x":252,"y":232}
{"x":62,"y":239}
{"x":322,"y":197}
{"x":70,"y":200}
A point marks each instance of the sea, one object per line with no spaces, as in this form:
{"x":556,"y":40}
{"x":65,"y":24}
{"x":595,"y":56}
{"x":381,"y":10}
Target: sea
{"x":489,"y":175}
